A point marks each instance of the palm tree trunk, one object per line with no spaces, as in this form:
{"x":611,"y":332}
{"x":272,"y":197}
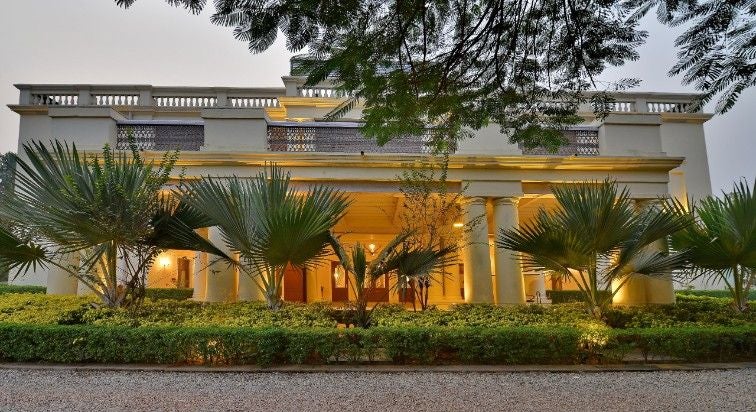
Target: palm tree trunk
{"x":741,"y":301}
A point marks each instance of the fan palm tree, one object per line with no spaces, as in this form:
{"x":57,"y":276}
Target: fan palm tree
{"x":364,"y":274}
{"x":106,"y":211}
{"x":596,"y":236}
{"x":397,"y":260}
{"x":420,"y":266}
{"x":268,"y":223}
{"x":722,"y":242}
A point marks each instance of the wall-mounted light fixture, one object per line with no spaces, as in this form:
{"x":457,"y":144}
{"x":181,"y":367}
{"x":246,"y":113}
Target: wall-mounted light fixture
{"x":164,"y":261}
{"x":372,"y":247}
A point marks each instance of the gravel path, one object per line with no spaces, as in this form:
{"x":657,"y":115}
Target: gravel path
{"x":67,"y":390}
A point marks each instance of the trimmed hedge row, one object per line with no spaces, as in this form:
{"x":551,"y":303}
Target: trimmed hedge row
{"x":267,"y":346}
{"x":568,"y":296}
{"x":714,"y":293}
{"x":169,"y":293}
{"x":152,"y":293}
{"x":4,"y":288}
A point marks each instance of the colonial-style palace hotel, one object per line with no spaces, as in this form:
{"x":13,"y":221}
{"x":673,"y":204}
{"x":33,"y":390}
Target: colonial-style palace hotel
{"x":650,"y":143}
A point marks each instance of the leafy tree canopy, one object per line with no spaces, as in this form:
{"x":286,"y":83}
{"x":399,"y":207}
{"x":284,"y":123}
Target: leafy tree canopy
{"x":461,"y":64}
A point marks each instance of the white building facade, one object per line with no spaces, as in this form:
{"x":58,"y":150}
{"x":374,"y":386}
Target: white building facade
{"x":649,"y":143}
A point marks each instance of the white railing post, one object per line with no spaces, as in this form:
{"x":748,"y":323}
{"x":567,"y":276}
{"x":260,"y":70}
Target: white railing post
{"x":145,"y":97}
{"x":641,"y":105}
{"x":85,"y":96}
{"x":222,"y":99}
{"x":25,"y":96}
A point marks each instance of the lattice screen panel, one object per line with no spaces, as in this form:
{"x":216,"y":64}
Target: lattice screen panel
{"x":162,"y":137}
{"x":582,"y":142}
{"x":339,"y":139}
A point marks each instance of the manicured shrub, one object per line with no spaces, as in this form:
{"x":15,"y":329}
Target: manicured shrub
{"x":40,"y":309}
{"x":688,"y":311}
{"x":570,"y":296}
{"x":73,"y":310}
{"x":714,"y":293}
{"x":693,"y":344}
{"x":169,"y":293}
{"x":421,"y":345}
{"x":151,"y":293}
{"x":485,"y":315}
{"x":4,"y":288}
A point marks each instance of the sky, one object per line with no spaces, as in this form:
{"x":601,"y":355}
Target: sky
{"x":94,"y":41}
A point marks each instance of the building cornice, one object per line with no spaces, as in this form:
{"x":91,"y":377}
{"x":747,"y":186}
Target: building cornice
{"x":285,"y":159}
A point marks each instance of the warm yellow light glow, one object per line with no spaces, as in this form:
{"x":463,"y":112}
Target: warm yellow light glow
{"x":372,"y":247}
{"x":458,"y":225}
{"x":164,"y":261}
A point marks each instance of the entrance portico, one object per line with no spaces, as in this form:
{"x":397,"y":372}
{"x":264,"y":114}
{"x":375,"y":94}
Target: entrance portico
{"x":500,"y":193}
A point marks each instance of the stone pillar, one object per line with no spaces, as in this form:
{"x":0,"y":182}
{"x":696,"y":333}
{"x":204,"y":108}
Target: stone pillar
{"x":510,"y":288}
{"x":248,"y":290}
{"x":222,"y":278}
{"x":60,"y":282}
{"x":540,"y":288}
{"x":199,"y":280}
{"x":632,"y":292}
{"x":476,"y":253}
{"x":660,"y":290}
{"x":642,"y":290}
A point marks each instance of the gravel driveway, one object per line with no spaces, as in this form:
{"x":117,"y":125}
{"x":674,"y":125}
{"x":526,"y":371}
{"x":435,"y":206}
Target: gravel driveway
{"x":69,"y":390}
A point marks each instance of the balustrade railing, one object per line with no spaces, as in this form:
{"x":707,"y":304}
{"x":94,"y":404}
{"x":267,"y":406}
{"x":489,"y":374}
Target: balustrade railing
{"x":53,"y":99}
{"x":194,"y":98}
{"x":329,"y":92}
{"x":167,"y":98}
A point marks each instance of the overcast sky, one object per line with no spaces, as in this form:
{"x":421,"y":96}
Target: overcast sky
{"x":93,"y":41}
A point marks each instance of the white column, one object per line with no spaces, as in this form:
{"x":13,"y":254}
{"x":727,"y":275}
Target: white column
{"x":222,"y":278}
{"x":540,"y":288}
{"x":199,"y":280}
{"x":476,"y":253}
{"x":641,"y":290}
{"x":248,"y":290}
{"x":60,"y":282}
{"x":510,"y":288}
{"x":660,"y":290}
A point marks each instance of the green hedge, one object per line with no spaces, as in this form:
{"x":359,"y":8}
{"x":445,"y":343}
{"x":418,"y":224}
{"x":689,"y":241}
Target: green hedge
{"x":266,"y":346}
{"x":152,"y":293}
{"x":568,"y":296}
{"x":21,"y":289}
{"x":714,"y":293}
{"x":169,"y":293}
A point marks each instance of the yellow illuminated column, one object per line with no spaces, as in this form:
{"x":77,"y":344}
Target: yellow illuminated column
{"x":476,"y":253}
{"x":660,"y":289}
{"x":510,"y":288}
{"x":199,"y":283}
{"x":222,"y":278}
{"x":642,"y":290}
{"x":248,"y":289}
